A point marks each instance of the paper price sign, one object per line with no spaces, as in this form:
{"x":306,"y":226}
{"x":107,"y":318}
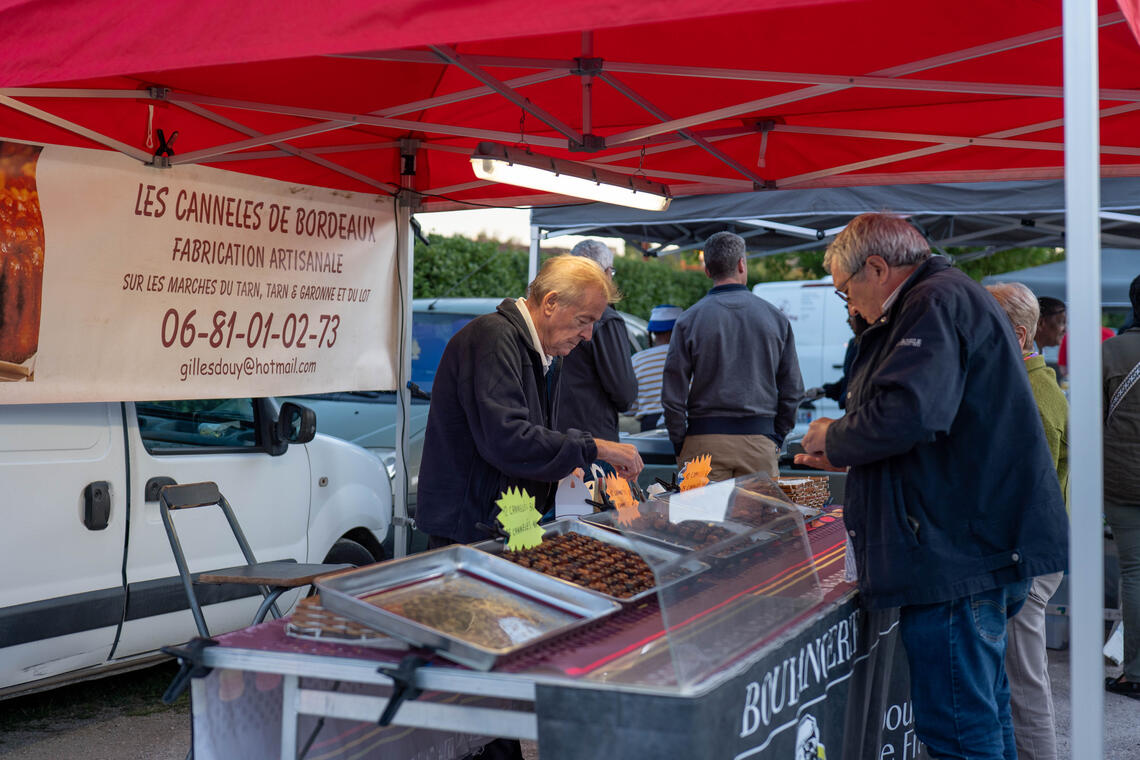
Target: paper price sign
{"x":519,"y":519}
{"x":697,"y":473}
{"x":618,"y":491}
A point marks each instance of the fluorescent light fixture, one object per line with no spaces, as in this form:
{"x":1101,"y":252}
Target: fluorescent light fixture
{"x":511,"y":166}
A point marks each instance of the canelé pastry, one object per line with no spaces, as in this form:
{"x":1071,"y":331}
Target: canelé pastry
{"x":21,"y":252}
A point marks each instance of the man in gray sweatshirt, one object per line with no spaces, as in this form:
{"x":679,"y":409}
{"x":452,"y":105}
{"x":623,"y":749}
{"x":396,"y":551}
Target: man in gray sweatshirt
{"x":732,"y":380}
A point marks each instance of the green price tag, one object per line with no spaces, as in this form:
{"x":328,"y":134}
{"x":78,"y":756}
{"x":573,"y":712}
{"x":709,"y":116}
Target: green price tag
{"x":520,"y":519}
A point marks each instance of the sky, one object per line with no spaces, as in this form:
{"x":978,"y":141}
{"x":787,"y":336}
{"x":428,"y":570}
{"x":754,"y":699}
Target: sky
{"x":506,"y":224}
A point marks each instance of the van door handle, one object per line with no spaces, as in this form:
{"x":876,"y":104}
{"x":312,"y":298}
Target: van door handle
{"x":155,"y":484}
{"x":97,"y":505}
{"x":837,"y":366}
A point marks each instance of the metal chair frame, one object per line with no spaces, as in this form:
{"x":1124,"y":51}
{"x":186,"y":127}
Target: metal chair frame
{"x":272,"y":578}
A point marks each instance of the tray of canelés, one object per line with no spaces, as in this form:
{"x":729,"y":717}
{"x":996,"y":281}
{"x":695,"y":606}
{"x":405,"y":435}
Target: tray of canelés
{"x":467,"y":605}
{"x":723,"y":540}
{"x":600,"y":560}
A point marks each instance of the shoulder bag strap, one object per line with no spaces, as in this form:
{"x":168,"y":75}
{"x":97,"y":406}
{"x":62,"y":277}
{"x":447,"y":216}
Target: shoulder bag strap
{"x":1122,"y":391}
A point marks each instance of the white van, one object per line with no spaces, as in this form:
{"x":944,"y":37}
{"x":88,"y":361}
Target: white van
{"x":819,"y":323}
{"x":88,"y":582}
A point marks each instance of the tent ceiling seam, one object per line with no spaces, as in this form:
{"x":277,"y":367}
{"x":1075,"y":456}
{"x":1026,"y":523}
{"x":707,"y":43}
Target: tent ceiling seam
{"x":78,"y":129}
{"x":920,"y":152}
{"x":699,"y":141}
{"x":462,"y":63}
{"x":376,"y":121}
{"x":298,"y":152}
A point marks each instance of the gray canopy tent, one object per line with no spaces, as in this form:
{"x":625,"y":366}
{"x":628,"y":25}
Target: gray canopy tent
{"x":997,"y":215}
{"x":1117,"y":270}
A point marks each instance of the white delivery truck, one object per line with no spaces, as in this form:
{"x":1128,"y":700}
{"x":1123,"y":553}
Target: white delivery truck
{"x":88,"y":582}
{"x":819,"y":323}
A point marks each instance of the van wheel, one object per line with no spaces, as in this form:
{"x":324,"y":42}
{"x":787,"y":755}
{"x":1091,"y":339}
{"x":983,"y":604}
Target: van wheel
{"x":347,"y":551}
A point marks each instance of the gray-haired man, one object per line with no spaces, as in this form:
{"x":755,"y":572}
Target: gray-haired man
{"x":732,"y":380}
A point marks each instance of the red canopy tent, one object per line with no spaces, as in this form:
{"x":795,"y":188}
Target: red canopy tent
{"x":704,"y":95}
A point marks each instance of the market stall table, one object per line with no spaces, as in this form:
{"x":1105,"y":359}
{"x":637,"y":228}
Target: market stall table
{"x":832,"y":676}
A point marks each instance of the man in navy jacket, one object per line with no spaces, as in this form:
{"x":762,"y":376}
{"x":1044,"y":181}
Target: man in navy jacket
{"x":597,"y":381}
{"x":489,"y":426}
{"x":952,"y":502}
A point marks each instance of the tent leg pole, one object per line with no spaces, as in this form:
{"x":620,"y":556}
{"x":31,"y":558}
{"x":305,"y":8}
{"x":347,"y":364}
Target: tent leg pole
{"x":1082,"y":242}
{"x":405,"y":205}
{"x":532,"y":266}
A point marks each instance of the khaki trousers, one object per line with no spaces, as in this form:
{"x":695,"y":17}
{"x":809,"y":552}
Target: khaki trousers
{"x":733,"y":455}
{"x":1027,"y":668}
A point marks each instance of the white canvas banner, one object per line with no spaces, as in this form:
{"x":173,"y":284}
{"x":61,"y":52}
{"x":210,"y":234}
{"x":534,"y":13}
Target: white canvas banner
{"x":124,"y":282}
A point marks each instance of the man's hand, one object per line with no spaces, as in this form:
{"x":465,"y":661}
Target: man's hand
{"x":811,"y":394}
{"x":815,"y":447}
{"x":818,"y":462}
{"x":815,"y":442}
{"x":623,"y":456}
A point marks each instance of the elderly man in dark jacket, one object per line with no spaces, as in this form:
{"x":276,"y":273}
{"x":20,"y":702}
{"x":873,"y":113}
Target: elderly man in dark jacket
{"x":952,"y":501}
{"x":597,"y":381}
{"x":493,"y":398}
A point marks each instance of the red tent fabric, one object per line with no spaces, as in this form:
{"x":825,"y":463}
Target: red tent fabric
{"x":752,"y":93}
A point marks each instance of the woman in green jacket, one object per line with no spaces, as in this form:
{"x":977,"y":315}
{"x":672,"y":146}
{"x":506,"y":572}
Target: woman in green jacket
{"x":1026,"y":662}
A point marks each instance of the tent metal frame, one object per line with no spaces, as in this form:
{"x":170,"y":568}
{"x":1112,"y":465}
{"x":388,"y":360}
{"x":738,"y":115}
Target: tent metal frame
{"x":668,"y":133}
{"x":1081,"y":169}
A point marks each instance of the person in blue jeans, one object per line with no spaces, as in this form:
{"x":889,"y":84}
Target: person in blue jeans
{"x":952,"y":505}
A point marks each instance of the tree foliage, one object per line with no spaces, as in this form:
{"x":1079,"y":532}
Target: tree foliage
{"x":1006,"y":261}
{"x":456,"y":266}
{"x":460,"y":267}
{"x":645,"y":284}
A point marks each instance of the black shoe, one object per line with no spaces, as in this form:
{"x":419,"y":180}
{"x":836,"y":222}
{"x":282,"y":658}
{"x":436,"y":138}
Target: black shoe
{"x":1121,"y":686}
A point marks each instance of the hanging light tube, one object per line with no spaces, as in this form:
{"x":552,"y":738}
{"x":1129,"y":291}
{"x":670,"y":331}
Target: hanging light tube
{"x":512,"y":166}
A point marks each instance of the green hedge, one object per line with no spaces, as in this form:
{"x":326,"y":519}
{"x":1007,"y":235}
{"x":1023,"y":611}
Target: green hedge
{"x":457,"y":267}
{"x":460,"y":267}
{"x":645,"y":284}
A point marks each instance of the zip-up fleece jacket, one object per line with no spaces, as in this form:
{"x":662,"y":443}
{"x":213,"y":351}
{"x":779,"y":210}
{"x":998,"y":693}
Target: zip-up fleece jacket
{"x":952,"y":489}
{"x":489,"y":429}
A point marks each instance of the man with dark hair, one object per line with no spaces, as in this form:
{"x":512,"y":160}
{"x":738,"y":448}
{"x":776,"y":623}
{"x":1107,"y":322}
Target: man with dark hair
{"x":1120,"y":360}
{"x":732,"y":380}
{"x":1051,"y":323}
{"x":952,"y":502}
{"x":597,"y":380}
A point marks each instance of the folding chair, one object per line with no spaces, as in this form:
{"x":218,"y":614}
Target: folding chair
{"x":273,"y":578}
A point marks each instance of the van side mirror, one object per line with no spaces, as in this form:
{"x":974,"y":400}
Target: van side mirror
{"x":296,"y":423}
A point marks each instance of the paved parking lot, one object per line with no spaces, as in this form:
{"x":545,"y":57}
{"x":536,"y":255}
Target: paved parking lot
{"x":88,"y":721}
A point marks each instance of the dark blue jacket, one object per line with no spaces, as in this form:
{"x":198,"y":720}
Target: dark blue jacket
{"x":952,"y":489}
{"x":596,"y":381}
{"x":488,"y":429}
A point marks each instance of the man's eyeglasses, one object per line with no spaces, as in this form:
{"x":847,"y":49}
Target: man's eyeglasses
{"x":842,"y":292}
{"x":611,"y":271}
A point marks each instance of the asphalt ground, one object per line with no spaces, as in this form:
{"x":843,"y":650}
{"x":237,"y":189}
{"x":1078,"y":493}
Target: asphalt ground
{"x":122,"y":718}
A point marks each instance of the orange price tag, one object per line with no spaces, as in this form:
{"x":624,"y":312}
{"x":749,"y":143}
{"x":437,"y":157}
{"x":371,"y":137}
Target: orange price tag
{"x":697,"y":472}
{"x":618,"y":490}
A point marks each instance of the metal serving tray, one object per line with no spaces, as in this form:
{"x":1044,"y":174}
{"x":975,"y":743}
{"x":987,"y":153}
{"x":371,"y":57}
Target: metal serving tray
{"x":739,"y":545}
{"x":670,"y":560}
{"x":467,"y":605}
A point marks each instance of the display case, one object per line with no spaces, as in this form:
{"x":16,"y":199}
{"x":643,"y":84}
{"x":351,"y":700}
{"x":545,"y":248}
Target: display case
{"x":762,"y":577}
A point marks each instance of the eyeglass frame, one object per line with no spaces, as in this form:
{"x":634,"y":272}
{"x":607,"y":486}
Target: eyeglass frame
{"x":610,"y":271}
{"x":842,"y":295}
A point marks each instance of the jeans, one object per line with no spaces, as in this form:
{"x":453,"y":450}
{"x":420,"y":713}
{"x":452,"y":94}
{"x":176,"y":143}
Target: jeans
{"x":956,"y":653}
